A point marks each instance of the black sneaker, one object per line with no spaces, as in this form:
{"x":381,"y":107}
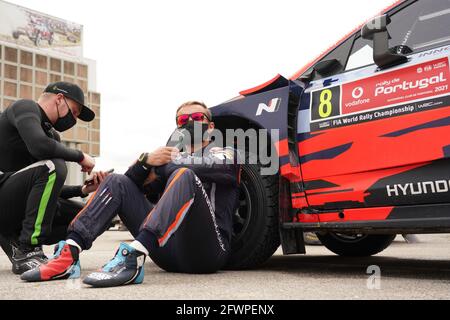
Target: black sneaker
{"x":24,"y":260}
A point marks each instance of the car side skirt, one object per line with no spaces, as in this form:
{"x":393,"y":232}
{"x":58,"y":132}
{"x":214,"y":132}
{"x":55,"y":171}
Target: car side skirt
{"x":390,"y":220}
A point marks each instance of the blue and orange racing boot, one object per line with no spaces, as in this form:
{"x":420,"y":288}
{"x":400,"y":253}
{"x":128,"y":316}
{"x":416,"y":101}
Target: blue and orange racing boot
{"x":64,"y":265}
{"x":127,"y":267}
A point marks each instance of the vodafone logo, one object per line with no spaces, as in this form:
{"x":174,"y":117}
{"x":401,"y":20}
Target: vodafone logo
{"x":357,"y":92}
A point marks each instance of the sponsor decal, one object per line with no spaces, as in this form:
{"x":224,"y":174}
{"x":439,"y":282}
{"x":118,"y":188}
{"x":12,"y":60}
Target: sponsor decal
{"x":433,"y":52}
{"x":419,"y":188}
{"x":274,"y":106}
{"x":222,"y":154}
{"x":394,"y":93}
{"x":357,"y":92}
{"x":211,"y":211}
{"x":55,"y":88}
{"x":100,"y":276}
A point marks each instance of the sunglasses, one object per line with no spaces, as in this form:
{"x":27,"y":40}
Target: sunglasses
{"x":197,"y":116}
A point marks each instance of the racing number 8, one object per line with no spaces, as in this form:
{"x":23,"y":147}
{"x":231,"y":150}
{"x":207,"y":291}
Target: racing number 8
{"x":325,"y":103}
{"x":326,"y":107}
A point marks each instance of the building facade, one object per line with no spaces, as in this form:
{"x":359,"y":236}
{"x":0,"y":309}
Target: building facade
{"x":25,"y":71}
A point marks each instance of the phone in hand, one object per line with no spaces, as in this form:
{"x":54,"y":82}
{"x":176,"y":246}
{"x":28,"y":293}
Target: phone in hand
{"x":90,"y":181}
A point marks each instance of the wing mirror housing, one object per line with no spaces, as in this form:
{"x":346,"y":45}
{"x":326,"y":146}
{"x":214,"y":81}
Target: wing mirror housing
{"x":377,"y":31}
{"x":323,"y":68}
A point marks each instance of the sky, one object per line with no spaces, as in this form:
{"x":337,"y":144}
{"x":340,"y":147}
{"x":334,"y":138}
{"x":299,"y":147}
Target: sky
{"x":154,"y":55}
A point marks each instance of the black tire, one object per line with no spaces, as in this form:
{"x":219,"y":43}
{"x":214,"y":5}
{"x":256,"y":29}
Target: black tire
{"x":355,"y":245}
{"x":255,"y":231}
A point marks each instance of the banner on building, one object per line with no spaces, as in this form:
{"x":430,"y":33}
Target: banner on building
{"x":30,"y":28}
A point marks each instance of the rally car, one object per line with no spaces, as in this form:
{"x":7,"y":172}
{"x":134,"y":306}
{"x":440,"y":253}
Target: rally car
{"x":363,"y":145}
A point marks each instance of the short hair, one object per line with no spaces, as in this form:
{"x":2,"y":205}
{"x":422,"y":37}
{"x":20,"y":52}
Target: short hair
{"x":196,"y":103}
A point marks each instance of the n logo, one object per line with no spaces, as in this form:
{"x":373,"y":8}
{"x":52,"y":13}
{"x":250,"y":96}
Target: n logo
{"x":273,"y":106}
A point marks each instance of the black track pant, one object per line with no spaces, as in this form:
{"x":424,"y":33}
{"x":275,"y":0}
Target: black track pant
{"x":182,"y":221}
{"x":29,"y":206}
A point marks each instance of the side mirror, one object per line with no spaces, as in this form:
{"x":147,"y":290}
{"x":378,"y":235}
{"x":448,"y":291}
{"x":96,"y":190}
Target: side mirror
{"x":376,"y":30}
{"x":328,"y":67}
{"x":324,"y":68}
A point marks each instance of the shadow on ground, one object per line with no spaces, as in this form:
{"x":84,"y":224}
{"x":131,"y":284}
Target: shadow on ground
{"x":342,"y":266}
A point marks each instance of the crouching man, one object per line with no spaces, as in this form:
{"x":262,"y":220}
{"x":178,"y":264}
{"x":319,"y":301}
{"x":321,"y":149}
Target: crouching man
{"x":34,"y":205}
{"x":188,"y":230}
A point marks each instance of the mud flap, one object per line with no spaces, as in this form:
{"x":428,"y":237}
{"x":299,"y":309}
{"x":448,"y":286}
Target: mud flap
{"x":292,"y":241}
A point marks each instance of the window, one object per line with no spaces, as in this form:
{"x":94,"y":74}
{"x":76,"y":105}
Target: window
{"x":362,"y":54}
{"x":423,"y":25}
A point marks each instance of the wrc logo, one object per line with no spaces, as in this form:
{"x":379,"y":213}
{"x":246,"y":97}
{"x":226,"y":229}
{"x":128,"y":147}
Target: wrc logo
{"x":273,"y":106}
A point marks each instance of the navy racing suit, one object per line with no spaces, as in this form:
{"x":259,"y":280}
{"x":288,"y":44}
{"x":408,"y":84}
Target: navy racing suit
{"x":191,"y":221}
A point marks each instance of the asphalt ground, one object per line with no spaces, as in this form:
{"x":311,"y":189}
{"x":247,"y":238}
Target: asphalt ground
{"x":406,"y":271}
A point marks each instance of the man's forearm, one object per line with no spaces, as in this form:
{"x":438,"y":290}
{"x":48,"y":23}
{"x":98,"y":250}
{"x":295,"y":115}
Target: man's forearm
{"x":138,"y":174}
{"x":69,"y":192}
{"x":220,"y":173}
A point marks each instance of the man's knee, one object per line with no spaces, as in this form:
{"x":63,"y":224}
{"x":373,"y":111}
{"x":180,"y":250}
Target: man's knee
{"x":120,"y":183}
{"x":116,"y":178}
{"x":46,"y":168}
{"x":183,"y":174}
{"x":183,"y":181}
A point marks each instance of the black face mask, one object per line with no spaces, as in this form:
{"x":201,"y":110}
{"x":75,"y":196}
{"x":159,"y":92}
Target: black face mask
{"x":197,"y":132}
{"x":66,"y":122}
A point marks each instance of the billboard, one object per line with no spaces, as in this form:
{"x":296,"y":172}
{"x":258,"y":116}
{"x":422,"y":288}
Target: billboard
{"x":30,"y":28}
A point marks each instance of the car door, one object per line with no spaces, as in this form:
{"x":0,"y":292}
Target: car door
{"x":373,"y":138}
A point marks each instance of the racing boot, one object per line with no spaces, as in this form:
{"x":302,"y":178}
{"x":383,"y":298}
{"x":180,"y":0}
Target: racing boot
{"x":127,"y":267}
{"x":24,"y":259}
{"x":64,"y":265}
{"x":21,"y":260}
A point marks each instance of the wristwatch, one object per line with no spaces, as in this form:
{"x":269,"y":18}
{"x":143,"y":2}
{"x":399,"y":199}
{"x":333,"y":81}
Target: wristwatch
{"x":143,"y":161}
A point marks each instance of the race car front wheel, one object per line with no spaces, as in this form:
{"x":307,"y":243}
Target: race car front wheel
{"x":255,"y":222}
{"x":355,"y":245}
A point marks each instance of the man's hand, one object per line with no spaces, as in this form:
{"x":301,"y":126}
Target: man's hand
{"x":88,"y":163}
{"x":162,"y":156}
{"x":97,"y":178}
